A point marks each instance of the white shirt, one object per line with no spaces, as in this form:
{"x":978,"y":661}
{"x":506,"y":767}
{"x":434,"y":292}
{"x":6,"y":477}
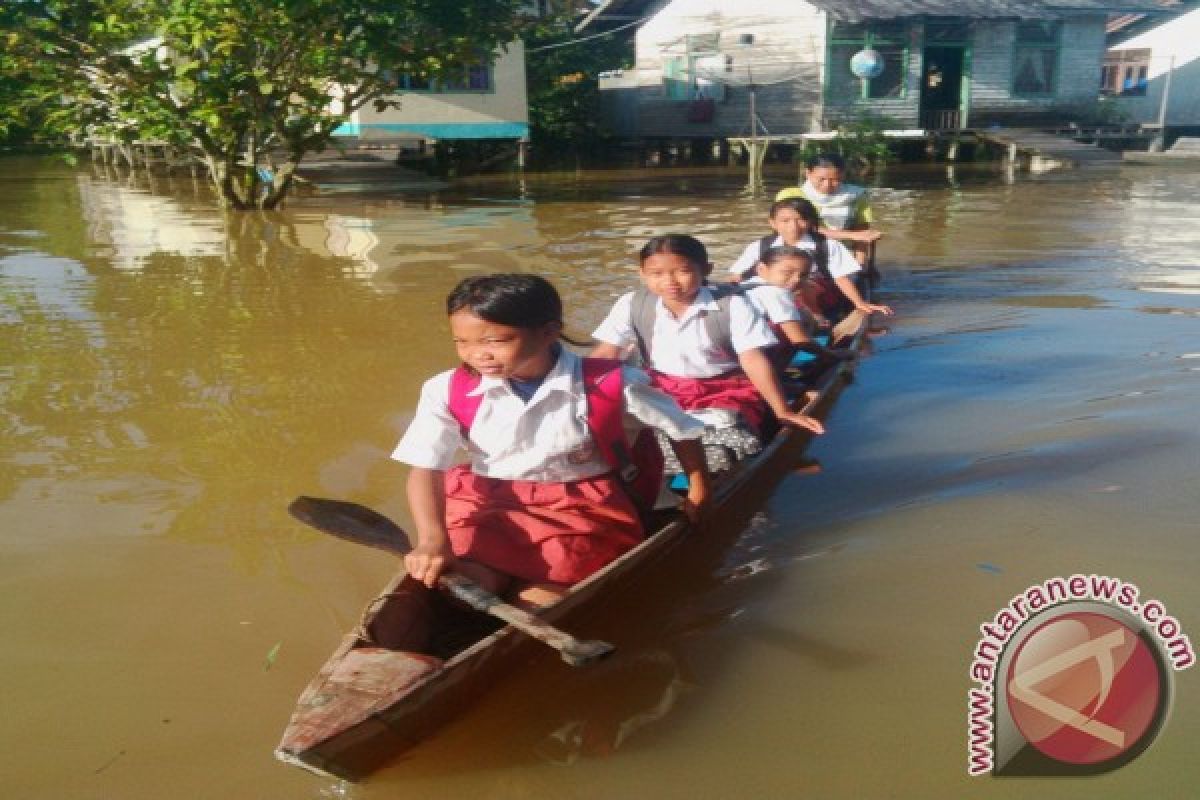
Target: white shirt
{"x":777,"y":303}
{"x":838,"y":210}
{"x":546,"y":439}
{"x":841,"y":261}
{"x":681,"y":345}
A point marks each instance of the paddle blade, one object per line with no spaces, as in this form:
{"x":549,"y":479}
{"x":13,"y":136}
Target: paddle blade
{"x":581,"y":652}
{"x":352,"y":522}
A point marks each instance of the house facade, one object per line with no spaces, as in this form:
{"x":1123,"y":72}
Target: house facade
{"x":1142,"y":52}
{"x":710,"y":68}
{"x":482,"y":101}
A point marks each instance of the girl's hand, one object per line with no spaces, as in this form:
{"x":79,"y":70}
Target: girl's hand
{"x":868,"y":308}
{"x":802,"y":421}
{"x":426,"y":563}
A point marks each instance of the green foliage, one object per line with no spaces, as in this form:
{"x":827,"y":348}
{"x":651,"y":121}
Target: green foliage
{"x":859,"y":140}
{"x":1107,"y":111}
{"x":563,"y":80}
{"x":239,"y":80}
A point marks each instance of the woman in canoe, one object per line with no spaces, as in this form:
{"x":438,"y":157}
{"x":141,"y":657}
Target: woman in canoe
{"x":844,"y":209}
{"x":539,"y":505}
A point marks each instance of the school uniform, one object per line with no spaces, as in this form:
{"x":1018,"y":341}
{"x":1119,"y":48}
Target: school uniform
{"x":841,"y":261}
{"x":779,"y":306}
{"x":684,"y":361}
{"x":536,"y":499}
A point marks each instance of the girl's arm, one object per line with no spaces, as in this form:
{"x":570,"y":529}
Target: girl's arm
{"x":851,"y":291}
{"x":794,"y":332}
{"x":760,"y":372}
{"x":605,"y":350}
{"x":427,"y":501}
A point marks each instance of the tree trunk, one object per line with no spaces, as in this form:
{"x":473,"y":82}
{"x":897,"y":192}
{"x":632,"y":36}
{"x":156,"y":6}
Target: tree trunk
{"x":280,"y":185}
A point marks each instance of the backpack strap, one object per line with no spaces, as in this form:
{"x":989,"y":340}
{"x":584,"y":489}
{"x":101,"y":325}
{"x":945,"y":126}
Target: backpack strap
{"x":764,"y":244}
{"x":821,"y":253}
{"x":641,"y":317}
{"x":717,"y":325}
{"x":602,"y":384}
{"x":464,"y":405}
{"x":638,"y":469}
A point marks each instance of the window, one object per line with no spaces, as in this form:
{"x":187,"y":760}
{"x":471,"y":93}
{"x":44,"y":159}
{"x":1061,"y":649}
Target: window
{"x":471,"y":78}
{"x":1125,"y":72}
{"x":413,"y":83}
{"x":888,"y":38}
{"x":701,"y":74}
{"x":1035,"y":57}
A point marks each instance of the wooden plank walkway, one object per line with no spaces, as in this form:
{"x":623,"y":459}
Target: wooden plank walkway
{"x":1185,"y":149}
{"x":1049,"y":150}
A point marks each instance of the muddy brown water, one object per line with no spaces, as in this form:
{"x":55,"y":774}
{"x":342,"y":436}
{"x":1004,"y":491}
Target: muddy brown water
{"x":171,"y":378}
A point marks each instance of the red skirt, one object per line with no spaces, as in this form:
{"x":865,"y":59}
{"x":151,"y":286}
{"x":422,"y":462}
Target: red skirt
{"x":732,"y":391}
{"x":538,"y":531}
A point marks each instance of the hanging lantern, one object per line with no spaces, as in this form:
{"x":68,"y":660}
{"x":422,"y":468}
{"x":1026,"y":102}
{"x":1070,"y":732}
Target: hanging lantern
{"x":866,"y":64}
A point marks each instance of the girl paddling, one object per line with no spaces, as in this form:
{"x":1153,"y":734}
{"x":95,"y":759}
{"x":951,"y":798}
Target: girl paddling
{"x":538,"y":507}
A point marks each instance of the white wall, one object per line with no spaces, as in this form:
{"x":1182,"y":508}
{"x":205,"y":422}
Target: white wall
{"x":502,"y":113}
{"x":1180,"y":38}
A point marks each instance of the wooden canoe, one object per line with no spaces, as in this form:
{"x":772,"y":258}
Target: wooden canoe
{"x":370,"y":703}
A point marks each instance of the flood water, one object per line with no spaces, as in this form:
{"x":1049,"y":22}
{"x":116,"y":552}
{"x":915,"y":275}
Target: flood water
{"x":171,"y":378}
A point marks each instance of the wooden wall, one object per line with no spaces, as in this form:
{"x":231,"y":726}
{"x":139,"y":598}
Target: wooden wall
{"x":784,"y":60}
{"x":1080,"y":55}
{"x":789,"y":42}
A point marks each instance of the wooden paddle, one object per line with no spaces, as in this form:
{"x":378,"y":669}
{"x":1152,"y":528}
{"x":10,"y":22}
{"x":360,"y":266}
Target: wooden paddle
{"x":357,"y":523}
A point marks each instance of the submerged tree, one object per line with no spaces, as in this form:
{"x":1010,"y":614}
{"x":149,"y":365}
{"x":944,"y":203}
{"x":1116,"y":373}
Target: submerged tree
{"x":249,"y":83}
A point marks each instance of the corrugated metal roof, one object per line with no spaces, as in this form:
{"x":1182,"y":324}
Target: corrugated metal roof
{"x":615,"y":11}
{"x":1022,"y":9}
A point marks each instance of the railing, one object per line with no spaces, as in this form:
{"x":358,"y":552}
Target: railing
{"x":941,"y":120}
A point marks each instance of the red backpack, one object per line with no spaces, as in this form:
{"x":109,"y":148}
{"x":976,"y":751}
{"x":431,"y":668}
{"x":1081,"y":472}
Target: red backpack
{"x":639,"y":469}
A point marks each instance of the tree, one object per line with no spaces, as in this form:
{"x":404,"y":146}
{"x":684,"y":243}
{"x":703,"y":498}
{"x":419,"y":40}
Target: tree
{"x":564,"y":89}
{"x":248,"y":83}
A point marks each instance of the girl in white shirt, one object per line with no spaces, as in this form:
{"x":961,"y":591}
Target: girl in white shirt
{"x":795,"y":223}
{"x":685,"y":359}
{"x":538,"y":507}
{"x":779,"y":274}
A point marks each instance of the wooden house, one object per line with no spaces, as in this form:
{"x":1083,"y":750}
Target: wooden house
{"x":712,"y":68}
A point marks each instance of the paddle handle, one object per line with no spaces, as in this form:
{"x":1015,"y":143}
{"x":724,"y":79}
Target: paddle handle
{"x":576,"y":652}
{"x":362,"y":525}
